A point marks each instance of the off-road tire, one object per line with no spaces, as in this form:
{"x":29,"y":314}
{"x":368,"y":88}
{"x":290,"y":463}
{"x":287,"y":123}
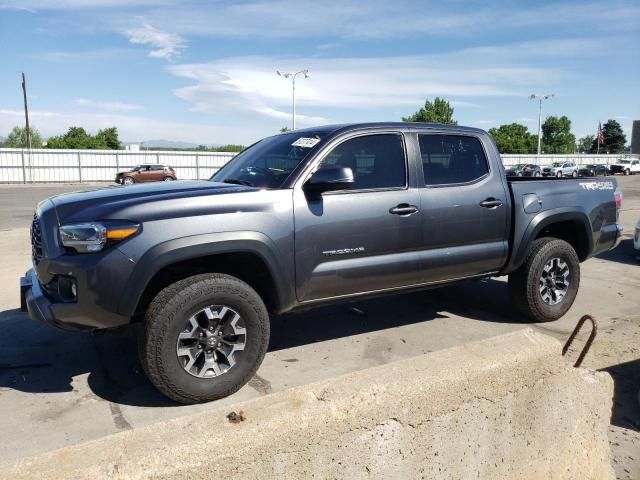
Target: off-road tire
{"x":524,"y":289}
{"x":165,"y":318}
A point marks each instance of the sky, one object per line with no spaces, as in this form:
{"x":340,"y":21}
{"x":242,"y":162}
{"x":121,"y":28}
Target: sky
{"x":204,"y":72}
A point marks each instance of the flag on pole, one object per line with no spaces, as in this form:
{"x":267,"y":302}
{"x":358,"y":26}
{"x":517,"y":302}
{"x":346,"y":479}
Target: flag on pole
{"x":600,"y":134}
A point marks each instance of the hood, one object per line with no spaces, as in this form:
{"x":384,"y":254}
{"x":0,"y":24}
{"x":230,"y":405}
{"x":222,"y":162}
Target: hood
{"x":117,"y":202}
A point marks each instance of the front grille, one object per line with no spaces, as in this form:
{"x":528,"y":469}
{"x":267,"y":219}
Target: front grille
{"x":36,"y":240}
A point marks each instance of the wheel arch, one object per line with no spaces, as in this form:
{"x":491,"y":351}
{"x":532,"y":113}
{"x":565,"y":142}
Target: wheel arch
{"x":570,"y":225}
{"x":251,"y":257}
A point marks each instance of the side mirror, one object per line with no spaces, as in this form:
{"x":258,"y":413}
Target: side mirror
{"x":330,"y":179}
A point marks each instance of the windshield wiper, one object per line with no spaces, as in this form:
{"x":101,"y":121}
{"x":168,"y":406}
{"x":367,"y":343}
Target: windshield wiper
{"x":237,"y":181}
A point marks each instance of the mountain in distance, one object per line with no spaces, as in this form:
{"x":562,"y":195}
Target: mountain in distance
{"x":173,"y":144}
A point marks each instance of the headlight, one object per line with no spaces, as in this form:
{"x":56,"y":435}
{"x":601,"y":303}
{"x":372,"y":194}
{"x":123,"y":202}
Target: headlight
{"x":93,"y":237}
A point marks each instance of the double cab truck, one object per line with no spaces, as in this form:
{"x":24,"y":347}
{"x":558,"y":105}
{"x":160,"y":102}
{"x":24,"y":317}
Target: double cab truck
{"x":298,"y":220}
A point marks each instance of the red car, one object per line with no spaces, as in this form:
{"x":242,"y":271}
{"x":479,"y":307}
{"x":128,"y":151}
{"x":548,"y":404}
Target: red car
{"x":152,"y":172}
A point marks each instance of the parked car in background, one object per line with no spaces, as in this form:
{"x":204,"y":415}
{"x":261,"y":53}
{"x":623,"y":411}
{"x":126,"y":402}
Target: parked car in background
{"x":524,"y":170}
{"x":561,"y":169}
{"x":593,"y":170}
{"x":149,"y":172}
{"x":628,"y":167}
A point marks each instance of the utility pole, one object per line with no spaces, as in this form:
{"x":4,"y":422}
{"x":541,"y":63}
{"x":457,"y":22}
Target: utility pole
{"x":26,"y":111}
{"x":540,"y":98}
{"x":293,"y":76}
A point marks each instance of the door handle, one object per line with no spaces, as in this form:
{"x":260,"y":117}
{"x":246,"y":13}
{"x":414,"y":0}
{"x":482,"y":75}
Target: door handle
{"x":403,"y":209}
{"x":491,"y":203}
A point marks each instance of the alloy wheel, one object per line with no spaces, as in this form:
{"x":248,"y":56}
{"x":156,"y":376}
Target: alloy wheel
{"x":554,"y":281}
{"x":211,"y":341}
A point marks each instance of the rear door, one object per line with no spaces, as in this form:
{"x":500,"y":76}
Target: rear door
{"x":365,"y":238}
{"x":157,"y":173}
{"x":464,"y":205}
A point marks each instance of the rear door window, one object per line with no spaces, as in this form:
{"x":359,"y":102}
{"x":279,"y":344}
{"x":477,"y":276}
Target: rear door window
{"x":452,"y":159}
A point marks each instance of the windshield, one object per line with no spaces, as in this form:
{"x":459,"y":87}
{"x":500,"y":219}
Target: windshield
{"x":625,"y":161}
{"x":557,"y":164}
{"x":268,"y":163}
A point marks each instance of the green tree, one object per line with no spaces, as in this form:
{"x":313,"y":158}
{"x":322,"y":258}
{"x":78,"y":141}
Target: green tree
{"x":557,"y":136}
{"x":109,"y":137}
{"x":514,"y":138}
{"x":18,"y":138}
{"x":285,"y":130}
{"x":438,"y":111}
{"x":584,"y":143}
{"x":76,"y":138}
{"x":614,"y":139}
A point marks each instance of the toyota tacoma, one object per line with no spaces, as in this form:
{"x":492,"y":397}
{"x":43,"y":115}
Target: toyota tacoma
{"x":299,"y":220}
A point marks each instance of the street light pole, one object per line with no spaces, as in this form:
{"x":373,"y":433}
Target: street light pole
{"x":540,"y":98}
{"x":293,"y":76}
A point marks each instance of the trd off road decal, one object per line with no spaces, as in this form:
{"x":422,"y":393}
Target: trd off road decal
{"x":342,"y":251}
{"x":597,"y":185}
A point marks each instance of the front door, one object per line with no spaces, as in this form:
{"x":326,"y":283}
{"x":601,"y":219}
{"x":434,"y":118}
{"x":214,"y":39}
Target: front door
{"x":362,"y":239}
{"x":464,"y":208}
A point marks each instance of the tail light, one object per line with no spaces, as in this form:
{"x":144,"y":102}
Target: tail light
{"x":618,"y":195}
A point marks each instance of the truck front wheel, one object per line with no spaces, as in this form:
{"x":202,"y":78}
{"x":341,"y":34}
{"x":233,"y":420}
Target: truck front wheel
{"x":204,"y":337}
{"x":545,"y":286}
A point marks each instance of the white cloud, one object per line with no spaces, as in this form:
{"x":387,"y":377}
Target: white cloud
{"x":250,"y":84}
{"x":381,"y":19}
{"x":20,"y":113}
{"x":35,"y":5}
{"x":305,"y":120}
{"x":110,"y":106}
{"x":485,"y":122}
{"x":164,"y":45}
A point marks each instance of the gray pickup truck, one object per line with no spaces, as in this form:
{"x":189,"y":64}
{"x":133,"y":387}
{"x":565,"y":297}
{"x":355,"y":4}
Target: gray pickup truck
{"x":298,"y":220}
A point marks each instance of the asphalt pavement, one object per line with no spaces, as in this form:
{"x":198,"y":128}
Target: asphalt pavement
{"x":59,"y":388}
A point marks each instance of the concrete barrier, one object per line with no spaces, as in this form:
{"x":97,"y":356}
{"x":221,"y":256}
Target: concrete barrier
{"x":506,"y":407}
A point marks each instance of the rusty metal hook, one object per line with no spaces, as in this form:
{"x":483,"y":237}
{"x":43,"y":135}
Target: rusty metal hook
{"x":587,"y":345}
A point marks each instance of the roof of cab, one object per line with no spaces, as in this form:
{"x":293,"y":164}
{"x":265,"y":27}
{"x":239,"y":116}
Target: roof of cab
{"x":347,"y":127}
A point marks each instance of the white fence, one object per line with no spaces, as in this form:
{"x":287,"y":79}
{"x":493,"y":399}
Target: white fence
{"x":77,"y":166}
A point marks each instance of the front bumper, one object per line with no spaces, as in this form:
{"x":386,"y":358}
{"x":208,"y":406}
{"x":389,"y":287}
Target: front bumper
{"x":71,"y":316}
{"x":35,"y":302}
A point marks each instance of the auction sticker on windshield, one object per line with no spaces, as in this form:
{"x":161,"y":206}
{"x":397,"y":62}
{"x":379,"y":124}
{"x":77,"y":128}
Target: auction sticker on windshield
{"x":305,"y":142}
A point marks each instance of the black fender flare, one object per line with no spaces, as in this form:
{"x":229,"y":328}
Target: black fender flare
{"x":540,"y":222}
{"x":186,"y":248}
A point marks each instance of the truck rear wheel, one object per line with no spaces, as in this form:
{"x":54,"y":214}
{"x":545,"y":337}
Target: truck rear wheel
{"x":545,"y":286}
{"x":204,"y":337}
